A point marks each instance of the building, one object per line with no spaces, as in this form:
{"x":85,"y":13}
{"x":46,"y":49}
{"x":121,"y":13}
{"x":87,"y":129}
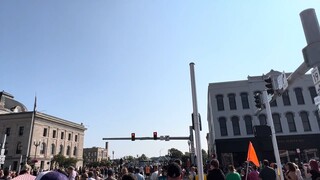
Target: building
{"x":38,"y":140}
{"x":95,"y":154}
{"x":233,"y":123}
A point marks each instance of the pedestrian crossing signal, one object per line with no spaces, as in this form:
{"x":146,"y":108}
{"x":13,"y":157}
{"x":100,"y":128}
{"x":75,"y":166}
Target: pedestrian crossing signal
{"x":133,"y":136}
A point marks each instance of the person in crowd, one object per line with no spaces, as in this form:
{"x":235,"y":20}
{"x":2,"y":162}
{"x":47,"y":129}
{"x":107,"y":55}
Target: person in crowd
{"x":267,"y":173}
{"x":51,"y":175}
{"x":298,"y":171}
{"x":154,"y":175}
{"x":137,"y":174}
{"x":291,"y":172}
{"x":111,"y":175}
{"x":163,"y":173}
{"x":128,"y":177}
{"x":192,"y":173}
{"x":215,"y":173}
{"x":314,"y":169}
{"x":174,"y":171}
{"x":6,"y":175}
{"x":254,"y":173}
{"x":91,"y":175}
{"x":25,"y":173}
{"x":71,"y":173}
{"x":232,"y":174}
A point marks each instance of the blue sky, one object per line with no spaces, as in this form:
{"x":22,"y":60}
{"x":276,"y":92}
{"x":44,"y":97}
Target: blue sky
{"x":122,"y":66}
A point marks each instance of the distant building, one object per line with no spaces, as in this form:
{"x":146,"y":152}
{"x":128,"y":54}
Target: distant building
{"x":231,"y":118}
{"x":50,"y":135}
{"x":95,"y":154}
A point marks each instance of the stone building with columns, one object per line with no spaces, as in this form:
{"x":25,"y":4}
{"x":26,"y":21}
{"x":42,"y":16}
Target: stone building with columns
{"x":37,"y":136}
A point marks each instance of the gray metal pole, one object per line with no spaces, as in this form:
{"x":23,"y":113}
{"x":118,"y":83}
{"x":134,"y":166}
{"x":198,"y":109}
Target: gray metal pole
{"x":196,"y":123}
{"x":310,"y":25}
{"x":273,"y":134}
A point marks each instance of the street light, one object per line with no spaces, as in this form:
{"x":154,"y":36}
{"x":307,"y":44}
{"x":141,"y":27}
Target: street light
{"x":36,"y":143}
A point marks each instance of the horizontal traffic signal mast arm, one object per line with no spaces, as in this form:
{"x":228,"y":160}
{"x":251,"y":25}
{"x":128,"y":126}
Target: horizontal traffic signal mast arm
{"x":147,"y":138}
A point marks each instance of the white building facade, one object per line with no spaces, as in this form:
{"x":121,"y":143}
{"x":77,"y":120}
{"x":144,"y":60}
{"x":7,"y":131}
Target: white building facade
{"x":233,"y":123}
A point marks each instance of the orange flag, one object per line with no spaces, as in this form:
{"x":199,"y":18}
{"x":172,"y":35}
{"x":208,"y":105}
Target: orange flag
{"x":252,"y":156}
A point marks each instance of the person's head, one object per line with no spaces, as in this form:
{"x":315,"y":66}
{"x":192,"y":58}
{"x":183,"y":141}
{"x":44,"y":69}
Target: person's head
{"x":173,"y":171}
{"x":51,"y":175}
{"x":254,"y":167}
{"x":130,"y":169}
{"x":128,"y":177}
{"x":265,"y":162}
{"x":231,"y":168}
{"x":136,"y":170}
{"x":313,"y":165}
{"x":26,"y":168}
{"x":214,"y":163}
{"x":178,"y":161}
{"x":290,"y":166}
{"x":110,"y":173}
{"x":90,"y":174}
{"x":124,"y":170}
{"x":155,"y":168}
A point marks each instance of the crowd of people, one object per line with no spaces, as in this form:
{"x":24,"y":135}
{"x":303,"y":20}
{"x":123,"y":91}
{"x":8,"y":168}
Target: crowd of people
{"x":171,"y":171}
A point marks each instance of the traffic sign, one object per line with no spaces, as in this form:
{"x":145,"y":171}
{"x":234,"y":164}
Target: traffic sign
{"x":316,"y":100}
{"x":167,"y":138}
{"x":282,"y":81}
{"x":2,"y":159}
{"x":161,"y":138}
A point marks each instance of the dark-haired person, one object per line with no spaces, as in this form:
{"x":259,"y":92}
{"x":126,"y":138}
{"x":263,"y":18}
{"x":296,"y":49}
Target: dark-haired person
{"x":232,"y":174}
{"x":174,"y":171}
{"x":267,"y":173}
{"x":291,"y":172}
{"x":215,"y":173}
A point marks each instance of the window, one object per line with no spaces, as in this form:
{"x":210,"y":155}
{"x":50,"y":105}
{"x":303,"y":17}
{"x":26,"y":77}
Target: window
{"x":61,"y":149}
{"x":223,"y":126}
{"x":262,"y":119}
{"x":8,"y":130}
{"x":248,"y":122}
{"x":232,"y":101}
{"x":21,"y":129}
{"x":235,"y":125}
{"x":76,"y":138}
{"x":62,"y":135}
{"x":313,"y":93}
{"x":69,"y":137}
{"x":53,"y":149}
{"x":277,"y":123}
{"x":43,"y":148}
{"x":75,"y":151}
{"x":299,"y":95}
{"x":286,"y":98}
{"x":68,"y":150}
{"x":291,"y":123}
{"x":54,"y":134}
{"x":273,"y":103}
{"x":244,"y":100}
{"x":19,"y":148}
{"x":45,"y":132}
{"x":220,"y":103}
{"x":305,"y":121}
{"x":316,"y":113}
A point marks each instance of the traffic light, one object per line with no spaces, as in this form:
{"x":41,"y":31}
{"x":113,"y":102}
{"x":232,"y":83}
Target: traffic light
{"x":258,"y":100}
{"x":269,"y":85}
{"x":155,"y":135}
{"x":133,"y":136}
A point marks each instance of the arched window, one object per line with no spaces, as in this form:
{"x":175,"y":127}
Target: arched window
{"x":291,"y":122}
{"x":316,"y":113}
{"x":313,"y":93}
{"x":248,"y":122}
{"x":286,"y":98}
{"x":53,"y":149}
{"x":68,"y":150}
{"x":299,"y":95}
{"x":223,"y":126}
{"x":235,"y":125}
{"x":19,"y":148}
{"x":277,"y":123}
{"x":244,"y":100}
{"x":232,"y":101}
{"x":61,"y":149}
{"x":220,"y":103}
{"x":75,"y":151}
{"x":305,"y":121}
{"x":43,"y":148}
{"x":262,"y":119}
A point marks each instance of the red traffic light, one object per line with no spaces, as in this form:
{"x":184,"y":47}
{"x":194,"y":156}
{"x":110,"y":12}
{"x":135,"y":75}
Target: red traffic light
{"x":133,"y":136}
{"x":155,"y":135}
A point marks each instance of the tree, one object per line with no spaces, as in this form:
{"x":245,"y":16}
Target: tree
{"x":204,"y":156}
{"x":175,"y":153}
{"x":143,"y":157}
{"x":62,"y":161}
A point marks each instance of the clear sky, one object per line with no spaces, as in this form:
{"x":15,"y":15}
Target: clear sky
{"x":122,"y":66}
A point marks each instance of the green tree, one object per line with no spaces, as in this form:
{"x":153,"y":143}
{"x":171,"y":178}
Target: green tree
{"x":204,"y":156}
{"x":62,"y":161}
{"x":175,"y":153}
{"x":143,"y":157}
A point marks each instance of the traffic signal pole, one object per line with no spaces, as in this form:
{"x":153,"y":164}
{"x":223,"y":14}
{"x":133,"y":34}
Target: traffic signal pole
{"x":273,"y":134}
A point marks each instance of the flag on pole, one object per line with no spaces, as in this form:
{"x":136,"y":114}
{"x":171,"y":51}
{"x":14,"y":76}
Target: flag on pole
{"x":252,"y":156}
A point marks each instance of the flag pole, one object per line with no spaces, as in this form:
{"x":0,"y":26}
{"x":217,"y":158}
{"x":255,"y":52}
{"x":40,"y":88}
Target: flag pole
{"x":31,"y":128}
{"x":247,"y":170}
